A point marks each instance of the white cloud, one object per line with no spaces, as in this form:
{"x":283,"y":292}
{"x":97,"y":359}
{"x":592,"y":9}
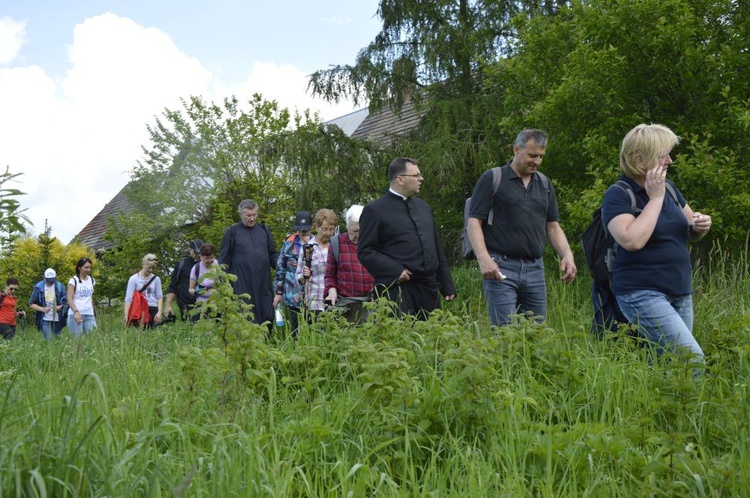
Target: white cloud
{"x":12,"y":37}
{"x":286,"y":84}
{"x":76,"y":139}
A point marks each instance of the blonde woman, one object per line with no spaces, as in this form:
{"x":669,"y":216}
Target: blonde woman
{"x":311,"y":265}
{"x":652,"y":275}
{"x":149,"y":285}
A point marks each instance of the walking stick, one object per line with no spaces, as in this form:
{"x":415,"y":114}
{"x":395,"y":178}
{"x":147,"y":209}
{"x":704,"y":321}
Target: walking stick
{"x":307,"y":249}
{"x":23,"y":325}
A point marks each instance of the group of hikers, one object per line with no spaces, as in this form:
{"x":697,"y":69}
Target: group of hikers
{"x":391,"y":249}
{"x":55,"y":305}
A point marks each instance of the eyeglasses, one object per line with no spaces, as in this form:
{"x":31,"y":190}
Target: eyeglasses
{"x":327,"y":230}
{"x":12,"y":289}
{"x":152,"y":259}
{"x":415,"y":175}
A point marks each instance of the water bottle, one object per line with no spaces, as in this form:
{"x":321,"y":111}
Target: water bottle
{"x":279,"y":317}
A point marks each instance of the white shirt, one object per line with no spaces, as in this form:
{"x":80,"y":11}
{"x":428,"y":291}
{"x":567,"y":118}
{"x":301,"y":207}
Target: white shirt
{"x":82,"y":295}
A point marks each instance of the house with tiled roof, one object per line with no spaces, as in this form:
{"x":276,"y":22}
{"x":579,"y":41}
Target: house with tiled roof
{"x":382,"y":126}
{"x":92,"y":235}
{"x":385,"y":125}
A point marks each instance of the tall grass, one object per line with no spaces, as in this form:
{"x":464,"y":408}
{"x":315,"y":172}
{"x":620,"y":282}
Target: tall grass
{"x":447,"y":407}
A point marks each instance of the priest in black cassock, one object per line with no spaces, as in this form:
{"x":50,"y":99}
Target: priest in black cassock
{"x":249,"y":252}
{"x":399,"y":246}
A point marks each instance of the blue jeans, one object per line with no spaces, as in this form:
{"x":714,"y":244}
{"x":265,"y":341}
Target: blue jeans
{"x":666,"y":321}
{"x":49,"y":329}
{"x":522,"y":292}
{"x":87,"y":325}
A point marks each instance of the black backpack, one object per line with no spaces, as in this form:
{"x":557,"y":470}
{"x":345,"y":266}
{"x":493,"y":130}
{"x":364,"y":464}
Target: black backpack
{"x":600,"y":250}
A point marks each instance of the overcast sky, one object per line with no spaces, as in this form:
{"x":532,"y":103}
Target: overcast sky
{"x":81,"y":79}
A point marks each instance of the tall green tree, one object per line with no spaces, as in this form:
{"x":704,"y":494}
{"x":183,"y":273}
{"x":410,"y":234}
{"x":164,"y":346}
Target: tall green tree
{"x":205,"y":158}
{"x":434,"y":54}
{"x":426,"y":49}
{"x":203,"y":148}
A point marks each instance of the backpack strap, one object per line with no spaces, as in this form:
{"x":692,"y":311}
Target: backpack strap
{"x":497,"y":176}
{"x":335,"y":248}
{"x":196,"y":270}
{"x":180,"y":266}
{"x":633,"y":207}
{"x":671,"y":191}
{"x":626,"y":187}
{"x":545,"y":181}
{"x":147,"y":284}
{"x":77,"y":279}
{"x":2,"y":298}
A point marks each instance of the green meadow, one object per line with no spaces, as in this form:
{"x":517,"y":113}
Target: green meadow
{"x":395,"y":407}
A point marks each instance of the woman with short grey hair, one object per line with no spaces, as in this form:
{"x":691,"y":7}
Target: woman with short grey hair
{"x":347,"y":283}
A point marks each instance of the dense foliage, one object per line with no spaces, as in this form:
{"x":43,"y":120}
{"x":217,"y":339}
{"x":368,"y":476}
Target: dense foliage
{"x":394,"y":407}
{"x":598,"y":68}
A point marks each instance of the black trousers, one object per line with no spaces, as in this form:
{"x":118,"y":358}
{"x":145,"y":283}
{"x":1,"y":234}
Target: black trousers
{"x":7,"y":331}
{"x":413,"y":297}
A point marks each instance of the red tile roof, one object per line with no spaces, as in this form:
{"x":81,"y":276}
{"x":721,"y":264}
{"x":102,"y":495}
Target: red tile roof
{"x":92,"y":234}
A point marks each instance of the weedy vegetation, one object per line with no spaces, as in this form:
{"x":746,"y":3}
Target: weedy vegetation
{"x":395,"y":407}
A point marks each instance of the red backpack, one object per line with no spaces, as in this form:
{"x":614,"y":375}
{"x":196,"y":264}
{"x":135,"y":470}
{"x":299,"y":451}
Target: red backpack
{"x":138,"y":311}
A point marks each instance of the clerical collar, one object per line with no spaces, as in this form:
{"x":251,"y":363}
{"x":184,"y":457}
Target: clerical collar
{"x":396,"y":193}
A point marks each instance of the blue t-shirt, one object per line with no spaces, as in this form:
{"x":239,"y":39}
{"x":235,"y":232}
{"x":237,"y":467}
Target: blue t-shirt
{"x":663,"y":264}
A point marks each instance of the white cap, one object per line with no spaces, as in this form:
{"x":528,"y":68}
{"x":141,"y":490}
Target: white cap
{"x":50,"y":273}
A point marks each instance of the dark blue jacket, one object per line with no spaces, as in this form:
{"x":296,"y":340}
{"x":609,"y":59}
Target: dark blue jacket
{"x":37,"y":297}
